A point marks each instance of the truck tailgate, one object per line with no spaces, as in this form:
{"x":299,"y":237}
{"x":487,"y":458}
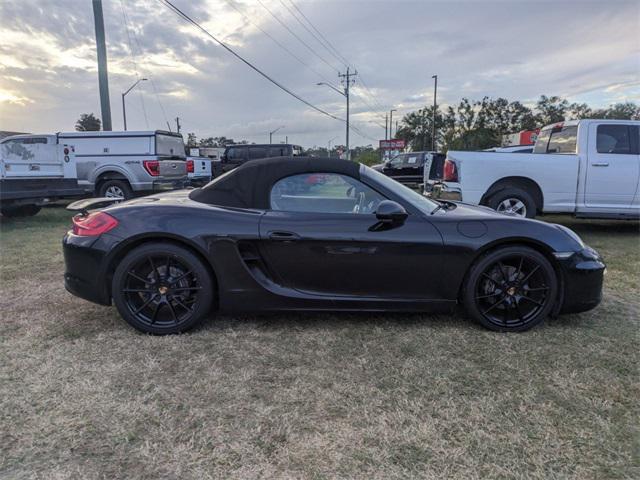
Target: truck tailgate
{"x":173,"y":168}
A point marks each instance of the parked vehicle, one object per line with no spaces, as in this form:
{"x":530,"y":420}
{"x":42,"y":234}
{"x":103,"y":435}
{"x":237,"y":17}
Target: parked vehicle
{"x":589,"y":168}
{"x":121,"y":164}
{"x":411,"y":168}
{"x":198,"y":171}
{"x":34,"y":172}
{"x":236,"y":155}
{"x":321,"y":234}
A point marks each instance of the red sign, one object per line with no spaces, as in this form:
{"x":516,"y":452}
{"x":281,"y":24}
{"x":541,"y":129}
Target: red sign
{"x":391,"y":144}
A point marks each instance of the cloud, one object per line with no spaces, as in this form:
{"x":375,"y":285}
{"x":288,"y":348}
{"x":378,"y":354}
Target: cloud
{"x":48,"y":72}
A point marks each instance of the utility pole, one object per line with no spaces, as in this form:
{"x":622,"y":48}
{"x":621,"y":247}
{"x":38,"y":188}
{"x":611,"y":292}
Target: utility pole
{"x":435,"y":106}
{"x":346,"y":78}
{"x":391,"y":123}
{"x":103,"y":75}
{"x":178,"y":124}
{"x":396,"y":133}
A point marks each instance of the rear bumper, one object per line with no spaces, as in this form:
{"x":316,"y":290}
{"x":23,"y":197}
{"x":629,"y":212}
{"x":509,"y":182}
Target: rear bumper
{"x":583,"y":274}
{"x":86,"y":273}
{"x":198,"y":181}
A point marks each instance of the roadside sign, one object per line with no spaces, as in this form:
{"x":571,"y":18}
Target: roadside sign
{"x":392,"y":144}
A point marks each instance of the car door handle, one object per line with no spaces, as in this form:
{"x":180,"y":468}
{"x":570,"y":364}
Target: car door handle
{"x":600,"y":164}
{"x":284,"y":236}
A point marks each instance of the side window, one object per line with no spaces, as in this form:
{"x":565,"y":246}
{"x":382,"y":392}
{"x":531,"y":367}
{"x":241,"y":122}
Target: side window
{"x":277,"y":152}
{"x":412,"y":160}
{"x":257,"y":152}
{"x":613,"y":139}
{"x":563,"y":140}
{"x":397,"y":161}
{"x":324,"y":193}
{"x":237,"y":154}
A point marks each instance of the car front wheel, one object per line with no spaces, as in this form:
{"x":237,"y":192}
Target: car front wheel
{"x":511,"y":289}
{"x":162,"y":288}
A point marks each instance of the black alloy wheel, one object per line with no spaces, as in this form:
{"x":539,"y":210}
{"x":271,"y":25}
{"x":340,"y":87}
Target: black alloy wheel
{"x":162,"y":288}
{"x":511,"y":289}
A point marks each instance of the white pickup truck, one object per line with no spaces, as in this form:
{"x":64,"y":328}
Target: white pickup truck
{"x":589,"y":168}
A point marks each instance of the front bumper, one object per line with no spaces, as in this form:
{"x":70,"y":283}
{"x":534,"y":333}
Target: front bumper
{"x":583,"y":274}
{"x":441,"y":191}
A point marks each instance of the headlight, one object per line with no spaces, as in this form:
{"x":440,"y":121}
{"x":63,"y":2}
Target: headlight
{"x":573,"y":235}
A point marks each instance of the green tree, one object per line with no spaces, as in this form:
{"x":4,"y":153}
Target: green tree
{"x":88,"y":122}
{"x":551,"y":109}
{"x":619,"y":111}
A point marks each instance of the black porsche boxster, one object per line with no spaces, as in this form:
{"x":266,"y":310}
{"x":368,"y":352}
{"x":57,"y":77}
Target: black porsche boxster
{"x":310,"y":234}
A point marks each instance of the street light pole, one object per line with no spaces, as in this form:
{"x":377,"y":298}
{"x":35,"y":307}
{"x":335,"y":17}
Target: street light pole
{"x":435,"y":106}
{"x":124,"y":110}
{"x":329,"y":147}
{"x":272,"y":132}
{"x":391,"y":124}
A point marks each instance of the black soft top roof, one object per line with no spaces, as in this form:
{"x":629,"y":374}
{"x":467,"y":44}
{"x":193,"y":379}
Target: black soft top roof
{"x":249,"y":185}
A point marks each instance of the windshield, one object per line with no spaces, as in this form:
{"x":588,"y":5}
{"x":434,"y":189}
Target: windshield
{"x":421,"y":202}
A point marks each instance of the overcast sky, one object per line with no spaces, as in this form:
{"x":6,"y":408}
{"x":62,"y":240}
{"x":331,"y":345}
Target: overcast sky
{"x":583,"y":50}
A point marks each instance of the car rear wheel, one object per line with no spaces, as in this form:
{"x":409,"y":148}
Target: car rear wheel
{"x":162,"y":288}
{"x":514,"y":201}
{"x":511,"y":289}
{"x":115,"y":189}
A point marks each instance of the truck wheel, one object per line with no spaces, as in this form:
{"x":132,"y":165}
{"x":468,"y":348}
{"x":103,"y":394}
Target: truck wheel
{"x":514,"y":201}
{"x":20,"y":211}
{"x":115,"y":188}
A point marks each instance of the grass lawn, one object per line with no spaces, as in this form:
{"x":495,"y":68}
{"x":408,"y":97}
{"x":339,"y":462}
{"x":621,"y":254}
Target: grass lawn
{"x":82,"y":395}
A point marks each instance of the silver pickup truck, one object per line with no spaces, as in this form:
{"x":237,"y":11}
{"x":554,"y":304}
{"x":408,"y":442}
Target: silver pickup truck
{"x":119,"y":164}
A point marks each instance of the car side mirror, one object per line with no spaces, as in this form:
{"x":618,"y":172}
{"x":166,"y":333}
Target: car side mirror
{"x":391,"y":212}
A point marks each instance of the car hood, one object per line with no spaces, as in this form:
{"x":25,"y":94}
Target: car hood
{"x":378,"y":167}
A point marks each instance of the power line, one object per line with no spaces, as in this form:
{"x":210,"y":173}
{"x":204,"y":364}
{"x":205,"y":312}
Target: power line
{"x":188,"y":19}
{"x":135,"y":64}
{"x":292,"y":13}
{"x":297,"y":37}
{"x":330,"y":48}
{"x":150,"y":77}
{"x":232,"y":5}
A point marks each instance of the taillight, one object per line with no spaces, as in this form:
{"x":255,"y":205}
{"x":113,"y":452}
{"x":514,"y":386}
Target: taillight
{"x":94,"y":224}
{"x":190,"y":166}
{"x":450,"y":173}
{"x":152,"y":167}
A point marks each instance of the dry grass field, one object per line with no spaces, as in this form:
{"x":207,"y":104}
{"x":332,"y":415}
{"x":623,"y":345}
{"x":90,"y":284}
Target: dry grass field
{"x":82,"y":395}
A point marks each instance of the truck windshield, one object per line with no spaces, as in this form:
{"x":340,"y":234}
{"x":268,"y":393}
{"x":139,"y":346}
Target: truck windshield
{"x":170,"y":145}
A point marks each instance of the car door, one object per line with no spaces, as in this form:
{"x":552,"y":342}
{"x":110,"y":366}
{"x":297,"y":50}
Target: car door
{"x":613,"y":166}
{"x":321,"y":237}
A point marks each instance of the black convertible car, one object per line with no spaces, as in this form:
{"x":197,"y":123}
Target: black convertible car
{"x":311,"y":234}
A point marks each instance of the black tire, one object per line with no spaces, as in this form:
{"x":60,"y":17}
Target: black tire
{"x":20,"y":211}
{"x":510,"y":289}
{"x":512,"y":195}
{"x":162,"y":288}
{"x":112,"y":188}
